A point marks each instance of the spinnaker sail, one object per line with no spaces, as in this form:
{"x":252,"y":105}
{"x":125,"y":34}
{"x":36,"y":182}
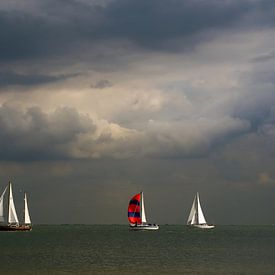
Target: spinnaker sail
{"x":134,"y":216}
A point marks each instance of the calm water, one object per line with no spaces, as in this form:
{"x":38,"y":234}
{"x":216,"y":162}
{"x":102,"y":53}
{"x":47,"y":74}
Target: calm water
{"x":113,"y":249}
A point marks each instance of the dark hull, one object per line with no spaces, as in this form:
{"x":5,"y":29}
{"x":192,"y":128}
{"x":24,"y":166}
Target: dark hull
{"x":15,"y":228}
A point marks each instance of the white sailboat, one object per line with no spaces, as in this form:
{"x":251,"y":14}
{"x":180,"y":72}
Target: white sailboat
{"x":136,"y":214}
{"x":196,"y":217}
{"x":12,"y":223}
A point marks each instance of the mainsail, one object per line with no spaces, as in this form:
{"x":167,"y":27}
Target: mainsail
{"x":201,"y":219}
{"x":12,"y":217}
{"x":143,"y":216}
{"x":196,"y":215}
{"x":27,"y":214}
{"x":1,"y":205}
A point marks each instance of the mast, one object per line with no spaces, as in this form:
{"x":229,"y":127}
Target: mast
{"x":196,"y":211}
{"x":141,"y":203}
{"x":9,"y":202}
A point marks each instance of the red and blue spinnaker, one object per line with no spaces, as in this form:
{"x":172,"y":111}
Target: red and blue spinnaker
{"x":134,"y":215}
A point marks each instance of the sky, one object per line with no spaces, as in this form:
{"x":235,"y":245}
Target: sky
{"x":102,"y":99}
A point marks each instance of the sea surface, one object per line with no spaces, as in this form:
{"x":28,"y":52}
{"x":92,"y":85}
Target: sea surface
{"x":113,"y":249}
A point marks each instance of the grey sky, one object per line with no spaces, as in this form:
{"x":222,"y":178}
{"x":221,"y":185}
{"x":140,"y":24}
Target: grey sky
{"x":100,"y":99}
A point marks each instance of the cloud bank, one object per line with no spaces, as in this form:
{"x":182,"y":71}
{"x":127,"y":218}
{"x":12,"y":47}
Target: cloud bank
{"x":103,"y":98}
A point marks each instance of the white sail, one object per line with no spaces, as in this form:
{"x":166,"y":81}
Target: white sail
{"x":2,"y":205}
{"x":143,"y":216}
{"x":191,"y":218}
{"x":201,"y":219}
{"x":196,"y":215}
{"x":27,"y":214}
{"x":12,"y":218}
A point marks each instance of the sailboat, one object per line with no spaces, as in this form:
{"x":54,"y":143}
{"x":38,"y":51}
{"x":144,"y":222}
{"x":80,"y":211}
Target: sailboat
{"x":12,"y":223}
{"x":196,"y":217}
{"x":136,"y":214}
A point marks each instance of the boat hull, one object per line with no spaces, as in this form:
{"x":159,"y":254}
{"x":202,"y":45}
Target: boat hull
{"x":143,"y":227}
{"x":203,"y":226}
{"x":15,"y":228}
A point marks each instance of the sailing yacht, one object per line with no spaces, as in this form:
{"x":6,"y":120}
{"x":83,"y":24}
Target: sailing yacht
{"x":136,"y":214}
{"x":12,"y":223}
{"x":196,"y":217}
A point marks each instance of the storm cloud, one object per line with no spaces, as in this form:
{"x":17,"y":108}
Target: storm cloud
{"x":66,"y":134}
{"x":10,"y":79}
{"x":107,"y":98}
{"x":57,"y":28}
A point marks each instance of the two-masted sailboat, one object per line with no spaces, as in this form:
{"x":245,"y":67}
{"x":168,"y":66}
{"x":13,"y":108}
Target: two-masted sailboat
{"x":196,"y":217}
{"x":12,"y":222}
{"x":136,"y":214}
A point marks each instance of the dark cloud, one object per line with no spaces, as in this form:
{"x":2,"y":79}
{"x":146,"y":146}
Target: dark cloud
{"x":152,"y":23}
{"x":25,"y":36}
{"x":56,"y":28}
{"x":102,"y":84}
{"x":264,"y":57}
{"x":11,"y":79}
{"x":35,"y":135}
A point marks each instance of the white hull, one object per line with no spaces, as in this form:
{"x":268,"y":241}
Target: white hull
{"x":202,"y":226}
{"x":140,"y":227}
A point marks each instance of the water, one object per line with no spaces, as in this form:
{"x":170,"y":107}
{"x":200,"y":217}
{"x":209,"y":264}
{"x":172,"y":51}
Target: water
{"x":113,"y":249}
